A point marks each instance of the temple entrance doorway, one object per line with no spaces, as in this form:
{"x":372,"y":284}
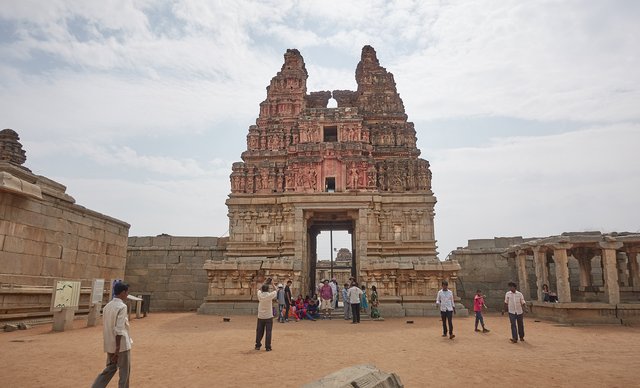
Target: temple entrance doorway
{"x":331,"y":250}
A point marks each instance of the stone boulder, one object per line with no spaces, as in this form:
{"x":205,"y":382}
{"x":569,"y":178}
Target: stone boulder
{"x":360,"y":376}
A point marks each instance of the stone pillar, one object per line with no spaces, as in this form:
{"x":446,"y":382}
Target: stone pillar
{"x":63,"y":319}
{"x":562,"y":272}
{"x":94,"y":314}
{"x":584,"y":256}
{"x":621,"y":265}
{"x":542,"y":276}
{"x":361,"y":240}
{"x":634,"y":268}
{"x":610,"y":272}
{"x":301,"y":247}
{"x":521,"y":266}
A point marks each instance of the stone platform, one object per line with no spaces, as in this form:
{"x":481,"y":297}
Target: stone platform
{"x":588,"y":313}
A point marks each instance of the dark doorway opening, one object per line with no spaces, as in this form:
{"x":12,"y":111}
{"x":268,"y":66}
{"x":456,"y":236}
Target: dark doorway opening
{"x":330,"y":134}
{"x":330,"y":185}
{"x":332,"y":251}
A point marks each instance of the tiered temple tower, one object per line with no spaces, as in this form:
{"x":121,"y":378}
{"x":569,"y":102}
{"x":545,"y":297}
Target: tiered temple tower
{"x":309,"y":168}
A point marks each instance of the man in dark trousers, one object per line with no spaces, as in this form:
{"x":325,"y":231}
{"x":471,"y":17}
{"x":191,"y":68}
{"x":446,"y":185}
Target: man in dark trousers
{"x":447,"y":305}
{"x":266,"y":295}
{"x":287,"y":300}
{"x":117,"y":343}
{"x":515,"y":304}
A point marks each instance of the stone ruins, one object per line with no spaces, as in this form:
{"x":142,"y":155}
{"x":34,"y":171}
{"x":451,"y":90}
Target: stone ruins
{"x":309,"y":168}
{"x":596,"y":276}
{"x":45,"y":235}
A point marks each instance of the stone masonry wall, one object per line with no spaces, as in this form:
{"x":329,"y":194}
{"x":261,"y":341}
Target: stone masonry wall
{"x":487,"y":271}
{"x":171,"y":269}
{"x":48,"y":238}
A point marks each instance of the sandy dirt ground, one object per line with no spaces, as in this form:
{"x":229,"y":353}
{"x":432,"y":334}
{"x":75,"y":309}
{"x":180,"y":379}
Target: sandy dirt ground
{"x":190,"y":350}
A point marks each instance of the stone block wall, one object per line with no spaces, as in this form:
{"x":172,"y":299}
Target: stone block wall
{"x":170,"y":269}
{"x":486,"y":270}
{"x":51,"y":237}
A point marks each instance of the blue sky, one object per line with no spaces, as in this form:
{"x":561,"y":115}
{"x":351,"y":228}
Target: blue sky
{"x":529,"y":112}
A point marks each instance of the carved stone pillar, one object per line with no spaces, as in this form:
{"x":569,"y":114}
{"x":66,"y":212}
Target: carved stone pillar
{"x":521,"y":266}
{"x":584,"y":256}
{"x":542,"y":275}
{"x":562,"y":271}
{"x":610,"y":272}
{"x":634,"y":268}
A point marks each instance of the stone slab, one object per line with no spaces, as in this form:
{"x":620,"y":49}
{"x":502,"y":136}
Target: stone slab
{"x":361,"y":376}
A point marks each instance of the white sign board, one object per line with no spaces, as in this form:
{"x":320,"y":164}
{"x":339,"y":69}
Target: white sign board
{"x":66,"y":293}
{"x":97,"y":290}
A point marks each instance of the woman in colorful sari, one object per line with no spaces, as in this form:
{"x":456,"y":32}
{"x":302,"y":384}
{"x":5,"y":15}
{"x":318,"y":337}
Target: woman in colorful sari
{"x":375,"y":313}
{"x":364,"y":305}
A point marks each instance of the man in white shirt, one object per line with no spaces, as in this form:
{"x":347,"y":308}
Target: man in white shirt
{"x":265,"y":314}
{"x":354,"y":294}
{"x":117,"y":343}
{"x":445,"y":301}
{"x":515,"y":304}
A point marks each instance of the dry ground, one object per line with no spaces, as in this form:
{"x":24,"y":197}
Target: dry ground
{"x":189,"y":350}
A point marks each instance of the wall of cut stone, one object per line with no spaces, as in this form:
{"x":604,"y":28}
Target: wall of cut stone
{"x":48,"y":238}
{"x":486,"y":270}
{"x":170,"y":269}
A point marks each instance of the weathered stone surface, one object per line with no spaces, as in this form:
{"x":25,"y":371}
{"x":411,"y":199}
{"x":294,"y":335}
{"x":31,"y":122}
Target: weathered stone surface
{"x":8,"y":327}
{"x":42,"y":231}
{"x":362,"y":376}
{"x":309,"y":168}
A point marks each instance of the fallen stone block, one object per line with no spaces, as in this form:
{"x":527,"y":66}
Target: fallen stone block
{"x":10,"y":327}
{"x":360,"y":376}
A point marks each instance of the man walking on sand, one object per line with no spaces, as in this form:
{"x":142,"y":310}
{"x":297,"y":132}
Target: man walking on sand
{"x":445,"y":301}
{"x":265,"y":314}
{"x":117,"y":343}
{"x":515,"y":304}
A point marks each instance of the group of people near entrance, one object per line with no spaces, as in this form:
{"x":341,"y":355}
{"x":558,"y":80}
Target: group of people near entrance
{"x":325,"y":300}
{"x":117,"y":342}
{"x":514,"y":303}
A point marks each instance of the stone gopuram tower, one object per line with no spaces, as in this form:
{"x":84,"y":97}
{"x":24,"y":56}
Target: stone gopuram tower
{"x":309,"y":168}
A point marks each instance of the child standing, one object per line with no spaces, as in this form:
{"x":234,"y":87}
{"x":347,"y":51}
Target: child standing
{"x":478,"y":304}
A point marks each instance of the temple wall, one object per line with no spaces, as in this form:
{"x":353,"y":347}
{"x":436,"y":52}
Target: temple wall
{"x":170,"y":269}
{"x":48,"y":238}
{"x":45,"y":236}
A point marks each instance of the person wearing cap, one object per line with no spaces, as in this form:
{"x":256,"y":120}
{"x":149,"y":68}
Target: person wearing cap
{"x":281,"y":303}
{"x":117,"y":343}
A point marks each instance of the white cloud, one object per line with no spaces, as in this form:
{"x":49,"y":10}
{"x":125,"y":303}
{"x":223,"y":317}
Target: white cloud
{"x":185,"y":207}
{"x":87,"y":77}
{"x":532,"y":60}
{"x":538,"y":186}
